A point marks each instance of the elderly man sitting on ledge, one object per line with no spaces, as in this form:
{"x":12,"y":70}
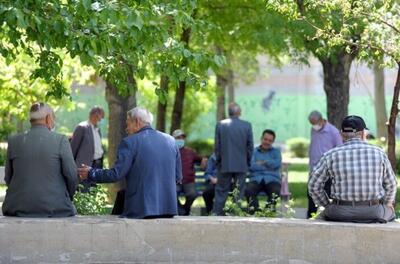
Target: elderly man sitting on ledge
{"x":363,"y":182}
{"x":150,"y":162}
{"x":40,"y":173}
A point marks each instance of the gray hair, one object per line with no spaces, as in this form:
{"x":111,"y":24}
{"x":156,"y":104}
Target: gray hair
{"x":351,"y":135}
{"x":39,"y":111}
{"x":234,"y":109}
{"x":96,"y":110}
{"x":315,"y":115}
{"x":142,"y":114}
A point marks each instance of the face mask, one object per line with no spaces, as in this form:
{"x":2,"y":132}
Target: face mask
{"x":180,"y":143}
{"x":53,"y":129}
{"x":316,"y":127}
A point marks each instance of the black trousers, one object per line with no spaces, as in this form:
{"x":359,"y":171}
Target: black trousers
{"x":119,"y":203}
{"x":272,"y":189}
{"x":312,"y":208}
{"x":189,"y":190}
{"x":208,"y":196}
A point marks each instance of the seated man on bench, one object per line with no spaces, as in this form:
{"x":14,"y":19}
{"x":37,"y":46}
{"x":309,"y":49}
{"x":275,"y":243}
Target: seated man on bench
{"x":363,"y":183}
{"x":264,"y":172}
{"x":188,"y":157}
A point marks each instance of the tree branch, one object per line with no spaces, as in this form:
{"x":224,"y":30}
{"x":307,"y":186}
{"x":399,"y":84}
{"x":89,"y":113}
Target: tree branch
{"x":384,"y":22}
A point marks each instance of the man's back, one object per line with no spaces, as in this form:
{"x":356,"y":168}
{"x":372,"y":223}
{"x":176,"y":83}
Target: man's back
{"x":151,"y":164}
{"x":41,"y":175}
{"x":233,"y":145}
{"x":359,"y":172}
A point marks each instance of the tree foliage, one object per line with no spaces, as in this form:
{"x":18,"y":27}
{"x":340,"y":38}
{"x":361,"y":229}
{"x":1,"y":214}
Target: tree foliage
{"x":107,"y":35}
{"x":18,"y":89}
{"x":377,"y":26}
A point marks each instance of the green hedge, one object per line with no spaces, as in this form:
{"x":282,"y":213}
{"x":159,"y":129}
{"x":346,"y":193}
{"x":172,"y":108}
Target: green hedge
{"x":298,"y":147}
{"x":3,"y":156}
{"x":203,"y":147}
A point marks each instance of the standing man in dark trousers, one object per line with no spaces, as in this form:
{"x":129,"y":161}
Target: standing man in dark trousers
{"x":324,"y":136}
{"x":86,"y":143}
{"x":233,"y":151}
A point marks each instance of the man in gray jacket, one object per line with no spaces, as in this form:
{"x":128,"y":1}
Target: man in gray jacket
{"x":40,"y":172}
{"x":86,"y":143}
{"x":233,"y":151}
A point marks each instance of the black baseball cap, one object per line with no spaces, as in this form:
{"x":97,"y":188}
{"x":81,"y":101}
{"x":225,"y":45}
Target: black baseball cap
{"x":353,"y":124}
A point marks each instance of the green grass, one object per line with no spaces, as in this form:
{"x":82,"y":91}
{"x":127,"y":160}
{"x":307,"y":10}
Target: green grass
{"x":298,"y":192}
{"x":298,"y":167}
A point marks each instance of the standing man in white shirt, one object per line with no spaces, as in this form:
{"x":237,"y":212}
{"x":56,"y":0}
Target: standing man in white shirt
{"x":86,"y":142}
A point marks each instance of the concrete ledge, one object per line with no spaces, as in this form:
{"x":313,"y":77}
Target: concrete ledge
{"x":195,"y":240}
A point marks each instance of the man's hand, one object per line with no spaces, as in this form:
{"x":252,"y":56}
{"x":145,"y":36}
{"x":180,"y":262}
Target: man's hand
{"x":83,"y":172}
{"x":203,"y":163}
{"x":390,"y":205}
{"x":213,"y":180}
{"x":260,"y":162}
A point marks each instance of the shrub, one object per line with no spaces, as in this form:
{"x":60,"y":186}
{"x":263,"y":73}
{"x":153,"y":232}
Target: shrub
{"x":242,"y":209}
{"x":3,"y":156}
{"x":93,"y":202}
{"x":203,"y":147}
{"x":298,"y":147}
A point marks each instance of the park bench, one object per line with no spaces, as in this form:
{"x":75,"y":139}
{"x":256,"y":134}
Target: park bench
{"x":108,"y":239}
{"x":200,"y":182}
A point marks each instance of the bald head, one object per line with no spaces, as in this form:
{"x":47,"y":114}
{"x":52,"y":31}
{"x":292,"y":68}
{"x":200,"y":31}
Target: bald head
{"x":42,"y":114}
{"x":39,"y":111}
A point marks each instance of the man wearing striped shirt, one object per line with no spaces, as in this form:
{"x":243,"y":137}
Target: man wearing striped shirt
{"x":363,"y":182}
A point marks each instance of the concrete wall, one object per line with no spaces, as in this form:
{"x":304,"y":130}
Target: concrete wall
{"x":195,"y":240}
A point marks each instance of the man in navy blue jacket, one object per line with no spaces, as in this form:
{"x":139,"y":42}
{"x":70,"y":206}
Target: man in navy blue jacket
{"x":233,"y":150}
{"x":150,"y":162}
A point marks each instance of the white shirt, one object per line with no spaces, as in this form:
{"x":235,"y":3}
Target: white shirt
{"x":98,"y":149}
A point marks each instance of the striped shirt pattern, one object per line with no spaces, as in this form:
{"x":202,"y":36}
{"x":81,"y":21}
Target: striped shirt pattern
{"x":359,"y":172}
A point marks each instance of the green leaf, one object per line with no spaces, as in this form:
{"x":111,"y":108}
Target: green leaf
{"x":219,"y":60}
{"x":186,"y":53}
{"x":134,"y":19}
{"x":87,"y":4}
{"x":20,"y":18}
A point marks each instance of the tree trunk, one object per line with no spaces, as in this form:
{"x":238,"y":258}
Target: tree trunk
{"x":162,"y":106}
{"x":177,"y":111}
{"x":337,"y":86}
{"x":222,"y":82}
{"x":231,"y":87}
{"x":392,"y":121}
{"x":380,"y":105}
{"x":117,"y":107}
